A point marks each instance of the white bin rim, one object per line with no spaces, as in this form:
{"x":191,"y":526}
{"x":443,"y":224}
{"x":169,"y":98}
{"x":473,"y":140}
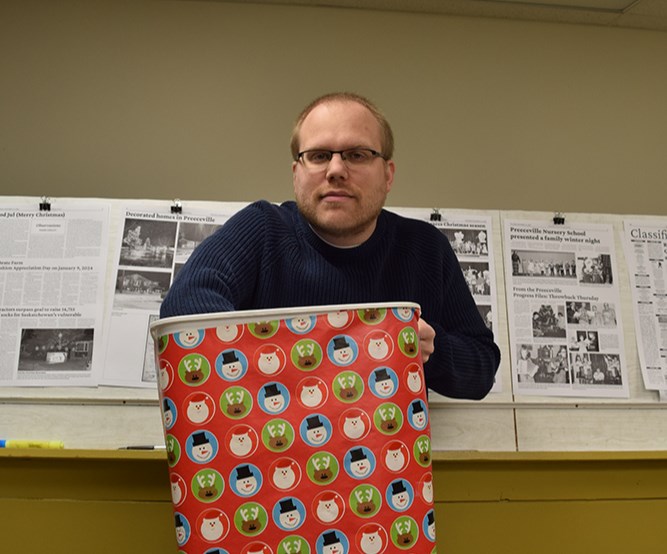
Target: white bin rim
{"x":176,"y":324}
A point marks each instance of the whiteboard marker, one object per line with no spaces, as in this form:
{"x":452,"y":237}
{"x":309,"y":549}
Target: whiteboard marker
{"x":30,"y":444}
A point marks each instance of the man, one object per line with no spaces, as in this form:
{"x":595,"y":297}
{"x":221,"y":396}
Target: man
{"x":336,"y":245}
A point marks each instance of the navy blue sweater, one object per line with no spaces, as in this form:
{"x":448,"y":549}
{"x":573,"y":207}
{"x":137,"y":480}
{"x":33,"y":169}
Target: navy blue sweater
{"x":267,"y":256}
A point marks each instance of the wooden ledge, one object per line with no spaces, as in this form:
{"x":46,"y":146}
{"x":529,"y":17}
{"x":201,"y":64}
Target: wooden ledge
{"x":438,"y":456}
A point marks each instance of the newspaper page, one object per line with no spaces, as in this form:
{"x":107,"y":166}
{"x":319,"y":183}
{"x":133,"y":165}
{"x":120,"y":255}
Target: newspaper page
{"x":646,"y":255}
{"x":563,"y":300}
{"x":469,"y":235}
{"x":151,"y":248}
{"x":52,"y":271}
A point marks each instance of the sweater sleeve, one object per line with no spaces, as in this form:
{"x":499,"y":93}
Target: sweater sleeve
{"x":462,"y":366}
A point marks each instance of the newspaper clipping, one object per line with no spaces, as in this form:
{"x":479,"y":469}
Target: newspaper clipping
{"x":52,"y":269}
{"x":646,"y":254}
{"x":566,"y":335}
{"x":469,"y":236}
{"x":152,"y":247}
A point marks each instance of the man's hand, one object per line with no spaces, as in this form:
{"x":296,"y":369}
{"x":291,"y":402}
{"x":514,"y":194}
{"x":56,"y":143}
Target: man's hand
{"x":426,"y":336}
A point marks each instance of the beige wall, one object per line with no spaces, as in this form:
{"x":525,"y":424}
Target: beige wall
{"x":195,"y":100}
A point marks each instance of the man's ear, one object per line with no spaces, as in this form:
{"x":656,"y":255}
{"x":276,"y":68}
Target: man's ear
{"x":390,"y":169}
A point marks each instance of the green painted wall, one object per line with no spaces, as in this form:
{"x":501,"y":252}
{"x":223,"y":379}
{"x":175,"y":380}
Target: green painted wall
{"x":109,"y":501}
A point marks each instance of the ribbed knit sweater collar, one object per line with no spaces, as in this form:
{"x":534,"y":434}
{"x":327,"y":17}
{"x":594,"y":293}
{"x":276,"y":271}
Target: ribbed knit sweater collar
{"x":343,"y":255}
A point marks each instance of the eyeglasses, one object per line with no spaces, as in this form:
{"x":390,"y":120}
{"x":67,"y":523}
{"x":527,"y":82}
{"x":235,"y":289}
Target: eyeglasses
{"x":319,"y":159}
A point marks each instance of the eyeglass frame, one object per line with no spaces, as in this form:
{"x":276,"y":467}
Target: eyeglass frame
{"x":374,"y":154}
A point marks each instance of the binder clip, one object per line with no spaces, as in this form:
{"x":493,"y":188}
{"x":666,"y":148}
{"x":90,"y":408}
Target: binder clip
{"x":45,"y":205}
{"x":177,"y":207}
{"x":435,"y":215}
{"x":559,"y":218}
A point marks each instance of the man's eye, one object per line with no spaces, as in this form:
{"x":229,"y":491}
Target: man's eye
{"x":357,"y":155}
{"x":319,"y":156}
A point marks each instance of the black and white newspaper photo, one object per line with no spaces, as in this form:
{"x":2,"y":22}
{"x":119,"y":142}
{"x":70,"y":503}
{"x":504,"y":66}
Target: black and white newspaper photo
{"x":52,"y":272}
{"x":646,"y":255}
{"x":563,"y":301}
{"x":470,"y":238}
{"x":152,"y":246}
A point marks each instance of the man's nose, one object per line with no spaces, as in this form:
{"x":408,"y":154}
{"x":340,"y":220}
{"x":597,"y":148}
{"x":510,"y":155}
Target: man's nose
{"x":337,"y":166}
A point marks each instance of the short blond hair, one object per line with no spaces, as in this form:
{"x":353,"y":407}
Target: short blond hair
{"x":387,"y":135}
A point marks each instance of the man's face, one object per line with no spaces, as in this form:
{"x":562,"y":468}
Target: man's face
{"x":342,"y":203}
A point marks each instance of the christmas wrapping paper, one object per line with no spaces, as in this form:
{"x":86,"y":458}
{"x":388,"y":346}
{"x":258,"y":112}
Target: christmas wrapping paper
{"x":297,"y":431}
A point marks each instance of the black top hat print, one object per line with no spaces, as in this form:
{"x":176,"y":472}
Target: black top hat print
{"x":229,"y":357}
{"x":397,"y":487}
{"x":340,"y":342}
{"x":199,"y":439}
{"x":381,"y":374}
{"x":330,"y":537}
{"x":243,"y":472}
{"x":313,"y":422}
{"x":271,"y":390}
{"x":287,"y":506}
{"x":417,"y":406}
{"x":357,"y":455}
